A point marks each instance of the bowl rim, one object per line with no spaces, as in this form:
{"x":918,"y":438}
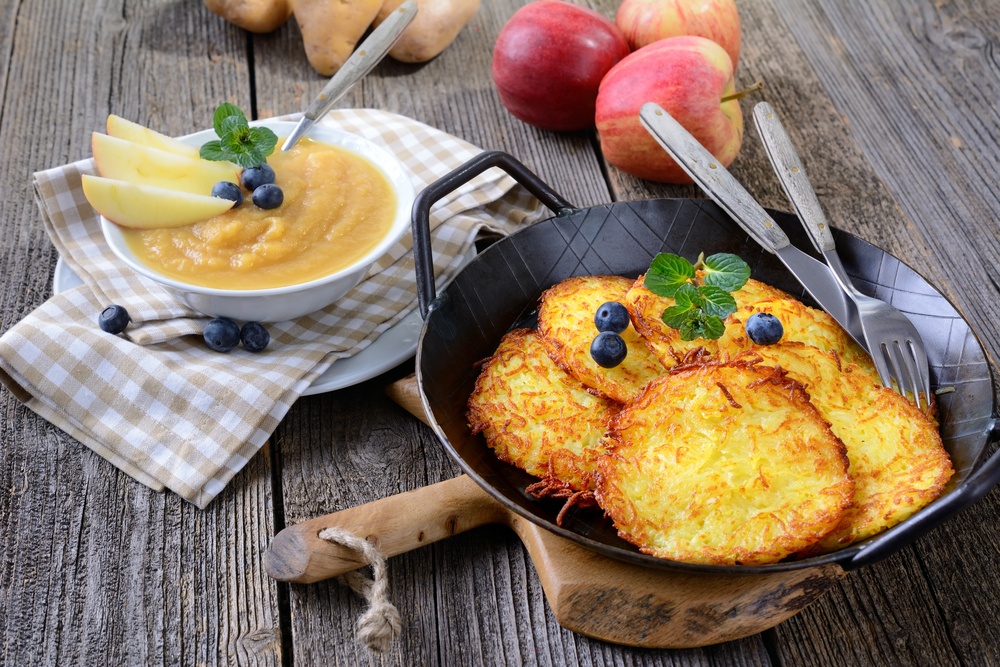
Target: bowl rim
{"x":384,"y":160}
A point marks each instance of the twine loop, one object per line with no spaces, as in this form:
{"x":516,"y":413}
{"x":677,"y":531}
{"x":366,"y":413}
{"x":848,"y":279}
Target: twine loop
{"x":381,"y":623}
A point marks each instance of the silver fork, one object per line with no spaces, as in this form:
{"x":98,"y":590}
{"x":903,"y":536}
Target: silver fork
{"x":893,"y":341}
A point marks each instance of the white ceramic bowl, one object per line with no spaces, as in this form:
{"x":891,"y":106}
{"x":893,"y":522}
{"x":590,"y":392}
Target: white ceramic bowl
{"x":285,"y":303}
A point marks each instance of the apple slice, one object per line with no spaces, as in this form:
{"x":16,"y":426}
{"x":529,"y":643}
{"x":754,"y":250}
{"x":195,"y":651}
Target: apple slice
{"x":148,"y":207}
{"x":128,"y":161}
{"x":121,"y":128}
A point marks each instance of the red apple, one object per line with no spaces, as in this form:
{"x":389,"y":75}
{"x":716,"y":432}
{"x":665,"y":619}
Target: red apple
{"x":549,"y":60}
{"x":687,"y":76}
{"x":648,"y":21}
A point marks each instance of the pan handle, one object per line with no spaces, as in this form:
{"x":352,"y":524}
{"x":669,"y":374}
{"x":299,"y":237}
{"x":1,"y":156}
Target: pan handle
{"x":971,"y":491}
{"x":423,"y":258}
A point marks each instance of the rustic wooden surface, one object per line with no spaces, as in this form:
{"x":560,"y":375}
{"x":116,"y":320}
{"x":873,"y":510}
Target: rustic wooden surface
{"x":894,"y":106}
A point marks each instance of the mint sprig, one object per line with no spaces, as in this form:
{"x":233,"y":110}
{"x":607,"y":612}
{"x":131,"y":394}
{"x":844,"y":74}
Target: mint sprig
{"x":701,"y":303}
{"x":238,"y":142}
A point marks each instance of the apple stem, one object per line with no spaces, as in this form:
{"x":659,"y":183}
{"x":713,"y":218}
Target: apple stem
{"x":740,"y":94}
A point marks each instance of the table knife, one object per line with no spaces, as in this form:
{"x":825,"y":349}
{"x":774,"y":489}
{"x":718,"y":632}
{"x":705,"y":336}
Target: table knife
{"x":723,"y":188}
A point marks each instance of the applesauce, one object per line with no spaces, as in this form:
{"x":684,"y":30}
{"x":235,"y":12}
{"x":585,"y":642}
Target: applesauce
{"x":337,"y":206}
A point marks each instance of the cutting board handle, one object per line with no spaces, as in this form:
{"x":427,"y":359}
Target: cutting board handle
{"x":395,"y":525}
{"x":588,"y":593}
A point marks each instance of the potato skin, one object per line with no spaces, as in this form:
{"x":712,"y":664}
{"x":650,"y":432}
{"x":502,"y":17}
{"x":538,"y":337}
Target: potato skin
{"x":435,"y":27}
{"x":332,"y":28}
{"x":259,"y":16}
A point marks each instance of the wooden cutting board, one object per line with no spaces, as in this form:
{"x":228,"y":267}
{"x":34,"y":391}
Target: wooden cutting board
{"x":589,"y":593}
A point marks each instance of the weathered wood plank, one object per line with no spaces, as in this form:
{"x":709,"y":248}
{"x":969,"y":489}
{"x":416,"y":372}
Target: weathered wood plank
{"x":923,"y":77}
{"x":844,"y":102}
{"x":474,"y":599}
{"x":96,"y":568}
{"x":917,"y":85}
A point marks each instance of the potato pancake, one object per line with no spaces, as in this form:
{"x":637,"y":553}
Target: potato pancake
{"x":566,"y":321}
{"x":536,"y":416}
{"x":801,"y":323}
{"x":723,"y":464}
{"x":898,"y":461}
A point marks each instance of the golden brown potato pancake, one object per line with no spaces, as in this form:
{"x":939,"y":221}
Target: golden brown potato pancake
{"x":536,"y":416}
{"x":566,"y":321}
{"x":801,"y":323}
{"x":898,"y":461}
{"x":723,"y":464}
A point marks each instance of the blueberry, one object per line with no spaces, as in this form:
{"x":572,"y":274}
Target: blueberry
{"x":254,"y":336}
{"x":254,"y":177}
{"x":113,"y":319}
{"x":764,"y":328}
{"x":611,"y":316}
{"x":268,"y":196}
{"x":222,"y":334}
{"x":227,"y":190}
{"x":608,"y":349}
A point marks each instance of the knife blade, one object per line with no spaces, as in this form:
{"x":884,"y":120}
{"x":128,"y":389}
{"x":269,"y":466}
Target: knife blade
{"x":723,"y":188}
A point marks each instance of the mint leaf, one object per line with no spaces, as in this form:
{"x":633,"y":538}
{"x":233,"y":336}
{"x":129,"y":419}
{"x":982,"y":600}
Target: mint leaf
{"x":726,"y":271}
{"x":212,"y":150}
{"x":238,"y":142}
{"x":233,"y":125}
{"x":247,"y":158}
{"x":222,"y":112}
{"x":701,"y":325}
{"x":717,"y":301}
{"x":667,"y":273}
{"x":700,"y":306}
{"x":264,"y":139}
{"x":676,"y":317}
{"x":249,"y":146}
{"x":714,"y":327}
{"x":688,"y":295}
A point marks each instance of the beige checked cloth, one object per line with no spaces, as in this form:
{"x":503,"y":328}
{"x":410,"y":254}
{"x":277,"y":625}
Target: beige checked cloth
{"x":156,"y":401}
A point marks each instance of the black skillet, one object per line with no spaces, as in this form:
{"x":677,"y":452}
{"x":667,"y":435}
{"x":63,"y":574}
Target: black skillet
{"x":500,"y":289}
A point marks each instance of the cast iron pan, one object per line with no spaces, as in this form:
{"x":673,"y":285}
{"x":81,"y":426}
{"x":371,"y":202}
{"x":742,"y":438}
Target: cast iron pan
{"x":501,"y":287}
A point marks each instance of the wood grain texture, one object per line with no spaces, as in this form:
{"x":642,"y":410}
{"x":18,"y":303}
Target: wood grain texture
{"x":489,"y":606}
{"x":893,"y":107}
{"x":96,"y":568}
{"x":927,"y":99}
{"x":917,"y":85}
{"x":641,"y":606}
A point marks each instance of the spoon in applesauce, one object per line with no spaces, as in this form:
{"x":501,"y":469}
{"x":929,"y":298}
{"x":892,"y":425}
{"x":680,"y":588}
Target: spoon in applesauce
{"x":362,"y":61}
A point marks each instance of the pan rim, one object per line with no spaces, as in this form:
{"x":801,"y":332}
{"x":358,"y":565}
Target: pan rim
{"x":842,"y":557}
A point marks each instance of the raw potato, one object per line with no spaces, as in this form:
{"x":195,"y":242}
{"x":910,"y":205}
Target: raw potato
{"x":435,"y":27}
{"x":331,"y":29}
{"x":253,"y":15}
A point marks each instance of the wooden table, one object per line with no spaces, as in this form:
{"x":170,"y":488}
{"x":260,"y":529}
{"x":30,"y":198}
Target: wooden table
{"x":894,"y":105}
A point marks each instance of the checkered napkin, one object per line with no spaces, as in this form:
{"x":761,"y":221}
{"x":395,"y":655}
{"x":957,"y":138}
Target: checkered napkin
{"x":156,"y":402}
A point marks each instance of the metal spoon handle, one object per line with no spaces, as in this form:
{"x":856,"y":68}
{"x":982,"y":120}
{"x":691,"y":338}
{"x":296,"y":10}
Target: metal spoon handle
{"x":712,"y":177}
{"x":792,"y":175}
{"x":368,"y":54}
{"x":363,"y":60}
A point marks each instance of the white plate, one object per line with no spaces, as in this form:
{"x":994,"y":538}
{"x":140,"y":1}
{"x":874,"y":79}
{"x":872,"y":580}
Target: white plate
{"x":392,"y":348}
